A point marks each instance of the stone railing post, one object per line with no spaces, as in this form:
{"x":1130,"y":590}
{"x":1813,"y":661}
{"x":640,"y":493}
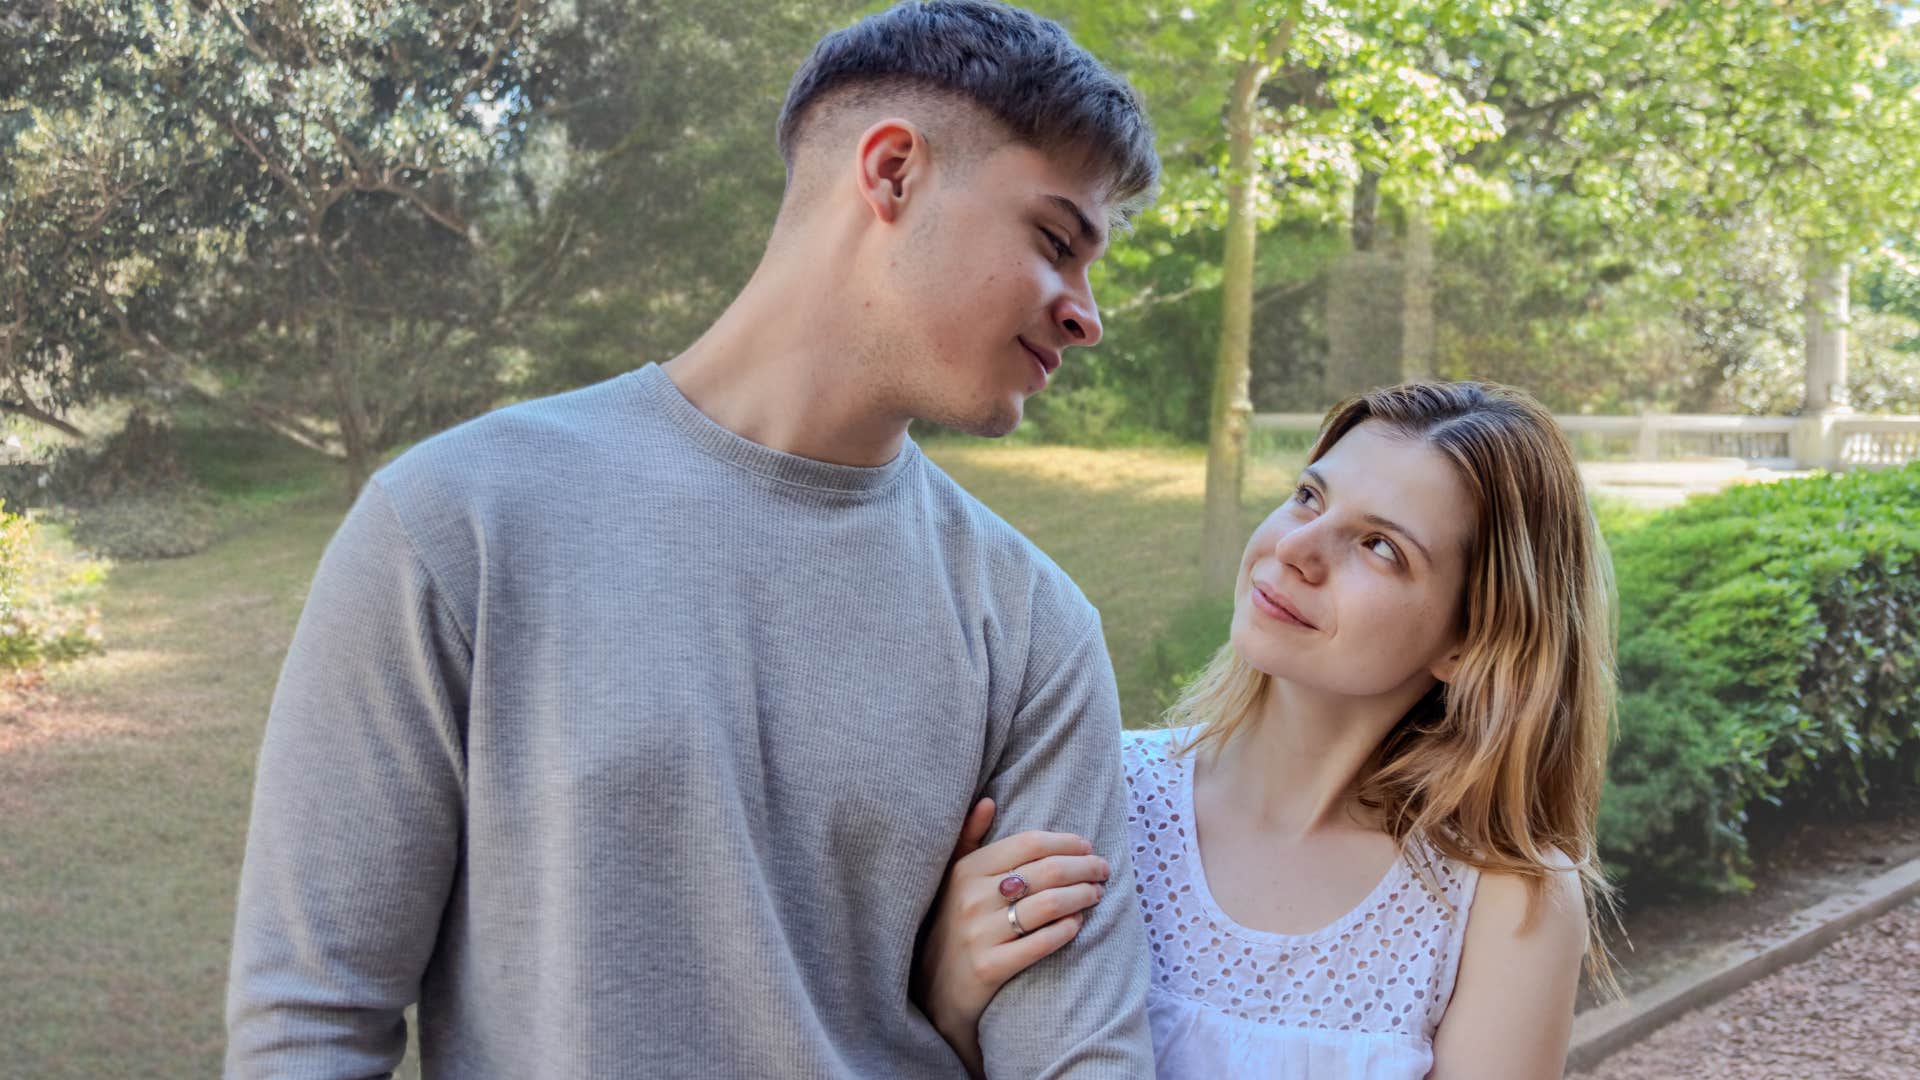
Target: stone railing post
{"x":1647,"y":443}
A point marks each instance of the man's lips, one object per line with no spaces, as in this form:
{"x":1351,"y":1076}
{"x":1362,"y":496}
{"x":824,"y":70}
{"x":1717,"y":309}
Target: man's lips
{"x":1049,"y":360}
{"x":1275,"y":606}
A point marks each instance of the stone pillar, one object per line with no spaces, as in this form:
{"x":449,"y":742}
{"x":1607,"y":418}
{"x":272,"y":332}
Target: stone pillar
{"x":1826,"y":309}
{"x":1815,"y":445}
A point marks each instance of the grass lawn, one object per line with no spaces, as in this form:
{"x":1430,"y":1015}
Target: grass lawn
{"x":123,"y":802}
{"x":1124,"y":523}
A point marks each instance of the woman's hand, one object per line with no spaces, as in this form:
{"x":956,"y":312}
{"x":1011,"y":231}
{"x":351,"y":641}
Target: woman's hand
{"x":973,"y":948}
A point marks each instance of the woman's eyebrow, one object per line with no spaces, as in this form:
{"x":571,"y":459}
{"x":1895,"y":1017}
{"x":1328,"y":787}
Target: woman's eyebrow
{"x":1387,"y":523}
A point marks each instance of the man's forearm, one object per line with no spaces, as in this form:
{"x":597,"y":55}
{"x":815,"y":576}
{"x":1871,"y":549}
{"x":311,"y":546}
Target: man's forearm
{"x":1080,"y":1011}
{"x":354,"y":837}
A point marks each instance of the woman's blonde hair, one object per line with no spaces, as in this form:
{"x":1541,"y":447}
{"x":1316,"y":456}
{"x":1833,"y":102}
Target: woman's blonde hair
{"x":1501,"y":767}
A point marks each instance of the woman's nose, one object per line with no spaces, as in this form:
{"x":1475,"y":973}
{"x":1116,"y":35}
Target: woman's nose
{"x":1302,"y":550}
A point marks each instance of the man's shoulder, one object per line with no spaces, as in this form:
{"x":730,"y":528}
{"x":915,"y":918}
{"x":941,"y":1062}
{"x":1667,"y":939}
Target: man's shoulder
{"x":538,"y":441}
{"x":1014,"y":560}
{"x":490,"y":476}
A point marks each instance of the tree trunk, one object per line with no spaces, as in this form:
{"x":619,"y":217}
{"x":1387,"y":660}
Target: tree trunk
{"x":1416,"y":298}
{"x":1362,"y":317}
{"x":1232,"y":405}
{"x":1366,"y":210}
{"x":356,"y":437}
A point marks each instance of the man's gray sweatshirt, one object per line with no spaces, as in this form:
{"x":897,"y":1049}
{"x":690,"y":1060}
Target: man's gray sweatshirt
{"x":628,"y":747}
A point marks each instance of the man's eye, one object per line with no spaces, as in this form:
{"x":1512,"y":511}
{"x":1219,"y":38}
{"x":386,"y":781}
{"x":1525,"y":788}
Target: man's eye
{"x":1060,"y":248}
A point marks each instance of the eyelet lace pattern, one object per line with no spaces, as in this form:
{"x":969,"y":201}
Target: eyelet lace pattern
{"x":1387,"y":967}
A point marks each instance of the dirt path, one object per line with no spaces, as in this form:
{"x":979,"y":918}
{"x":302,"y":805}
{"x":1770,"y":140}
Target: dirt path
{"x":1796,"y":867}
{"x":1852,"y":1011}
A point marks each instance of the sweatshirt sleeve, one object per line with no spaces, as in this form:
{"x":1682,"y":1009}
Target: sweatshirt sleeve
{"x":1082,"y":1011}
{"x":357,"y":808}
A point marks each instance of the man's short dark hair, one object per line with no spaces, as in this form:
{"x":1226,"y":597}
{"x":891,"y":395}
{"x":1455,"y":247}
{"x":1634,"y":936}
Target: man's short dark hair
{"x":1021,"y":69}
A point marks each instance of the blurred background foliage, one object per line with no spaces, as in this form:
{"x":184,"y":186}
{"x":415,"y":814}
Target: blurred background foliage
{"x":355,"y":224}
{"x":251,"y":248}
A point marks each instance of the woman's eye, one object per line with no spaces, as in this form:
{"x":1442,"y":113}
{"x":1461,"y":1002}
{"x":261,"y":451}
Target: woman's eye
{"x":1303,"y":495}
{"x":1384,"y":548}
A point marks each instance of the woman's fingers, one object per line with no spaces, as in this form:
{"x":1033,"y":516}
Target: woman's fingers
{"x":1056,"y":871}
{"x":1021,"y":953}
{"x":1054,"y":905}
{"x":974,"y":829}
{"x":1004,"y":855}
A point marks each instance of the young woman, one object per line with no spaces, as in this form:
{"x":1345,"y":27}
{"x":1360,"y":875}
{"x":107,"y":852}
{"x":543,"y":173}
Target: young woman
{"x":1364,"y":844}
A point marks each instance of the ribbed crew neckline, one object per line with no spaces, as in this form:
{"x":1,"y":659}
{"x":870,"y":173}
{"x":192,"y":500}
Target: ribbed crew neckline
{"x":718,"y":441}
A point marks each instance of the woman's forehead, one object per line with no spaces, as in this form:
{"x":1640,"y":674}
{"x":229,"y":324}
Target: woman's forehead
{"x":1377,"y":471}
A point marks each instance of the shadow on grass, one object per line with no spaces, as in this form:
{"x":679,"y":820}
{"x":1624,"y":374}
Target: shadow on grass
{"x":248,"y":467}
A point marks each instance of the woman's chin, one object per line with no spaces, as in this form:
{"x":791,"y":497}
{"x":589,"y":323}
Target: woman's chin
{"x":1261,"y":652}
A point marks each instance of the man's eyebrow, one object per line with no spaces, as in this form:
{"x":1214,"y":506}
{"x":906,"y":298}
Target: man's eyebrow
{"x":1375,"y":519}
{"x":1088,"y":229}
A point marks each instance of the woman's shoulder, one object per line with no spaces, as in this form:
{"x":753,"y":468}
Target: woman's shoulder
{"x":1509,"y":905}
{"x":1529,"y":921}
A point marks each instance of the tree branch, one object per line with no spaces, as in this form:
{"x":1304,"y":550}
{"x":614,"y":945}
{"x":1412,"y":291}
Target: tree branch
{"x":34,"y":412}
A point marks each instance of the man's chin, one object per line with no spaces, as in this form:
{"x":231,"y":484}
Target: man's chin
{"x":1000,"y":425}
{"x":989,"y":423}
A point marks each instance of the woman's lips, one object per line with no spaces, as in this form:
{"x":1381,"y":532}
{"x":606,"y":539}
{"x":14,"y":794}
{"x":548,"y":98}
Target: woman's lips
{"x":1274,"y":607}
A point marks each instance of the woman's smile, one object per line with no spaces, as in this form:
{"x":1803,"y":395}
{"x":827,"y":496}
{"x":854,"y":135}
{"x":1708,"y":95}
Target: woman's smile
{"x":1273,"y":605}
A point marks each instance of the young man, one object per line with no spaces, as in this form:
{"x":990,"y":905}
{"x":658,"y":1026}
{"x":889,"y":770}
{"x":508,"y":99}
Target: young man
{"x":628,"y":731}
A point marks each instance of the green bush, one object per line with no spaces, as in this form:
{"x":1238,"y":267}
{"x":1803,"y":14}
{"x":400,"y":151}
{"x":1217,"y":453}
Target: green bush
{"x":16,"y":538}
{"x":1769,"y":657}
{"x":131,"y":496}
{"x":164,"y":523}
{"x":1765,"y":659}
{"x":46,"y":589}
{"x":1080,"y":416}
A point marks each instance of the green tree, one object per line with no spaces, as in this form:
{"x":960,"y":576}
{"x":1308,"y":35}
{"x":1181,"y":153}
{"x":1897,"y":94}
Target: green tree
{"x":670,"y":193}
{"x":1682,"y":128}
{"x":1265,"y":107}
{"x":300,"y":189}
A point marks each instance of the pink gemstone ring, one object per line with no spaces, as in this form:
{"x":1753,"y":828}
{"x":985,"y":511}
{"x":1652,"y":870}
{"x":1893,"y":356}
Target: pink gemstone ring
{"x":1013,"y":887}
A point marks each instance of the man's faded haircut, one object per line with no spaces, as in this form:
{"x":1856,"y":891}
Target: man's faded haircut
{"x":1021,"y":70}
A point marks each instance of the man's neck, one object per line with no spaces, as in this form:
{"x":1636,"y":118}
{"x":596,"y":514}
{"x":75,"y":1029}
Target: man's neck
{"x":774,"y":369}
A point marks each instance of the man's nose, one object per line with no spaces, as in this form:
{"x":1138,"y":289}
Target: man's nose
{"x":1078,"y":318}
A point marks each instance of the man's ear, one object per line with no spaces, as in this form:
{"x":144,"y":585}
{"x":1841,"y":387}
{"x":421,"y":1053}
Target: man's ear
{"x":892,"y":163}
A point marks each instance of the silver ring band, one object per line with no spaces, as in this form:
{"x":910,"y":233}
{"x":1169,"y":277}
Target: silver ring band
{"x":1013,"y":920}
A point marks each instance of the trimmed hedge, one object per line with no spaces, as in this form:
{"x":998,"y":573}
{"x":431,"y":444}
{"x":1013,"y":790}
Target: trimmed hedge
{"x":1769,"y":654}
